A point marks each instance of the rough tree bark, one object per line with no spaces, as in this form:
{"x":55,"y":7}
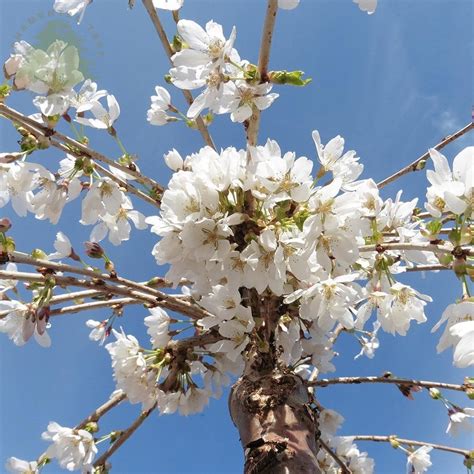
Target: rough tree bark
{"x":269,"y":405}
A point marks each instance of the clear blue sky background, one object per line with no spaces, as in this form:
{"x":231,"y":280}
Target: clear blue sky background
{"x":392,"y":84}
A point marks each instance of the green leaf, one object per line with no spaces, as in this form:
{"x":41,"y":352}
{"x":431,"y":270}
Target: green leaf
{"x":292,"y":78}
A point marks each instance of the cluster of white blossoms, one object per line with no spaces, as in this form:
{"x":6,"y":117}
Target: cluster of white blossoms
{"x":301,"y":244}
{"x":236,"y":225}
{"x":206,"y":59}
{"x":53,"y":74}
{"x":74,"y":450}
{"x":150,"y":378}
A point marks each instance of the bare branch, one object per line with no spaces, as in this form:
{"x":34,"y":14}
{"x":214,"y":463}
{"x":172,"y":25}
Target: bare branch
{"x":427,"y":268}
{"x":102,"y":410}
{"x":375,"y":379}
{"x":263,"y":61}
{"x":124,"y":436}
{"x":340,"y":463}
{"x":148,"y":4}
{"x":391,"y":438}
{"x":92,"y":305}
{"x":414,"y":165}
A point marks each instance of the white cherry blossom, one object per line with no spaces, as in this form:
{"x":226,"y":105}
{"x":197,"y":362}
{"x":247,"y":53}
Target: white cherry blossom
{"x":288,"y":4}
{"x":72,"y":7}
{"x":460,"y":419}
{"x":102,"y":118}
{"x":19,"y":466}
{"x":419,"y":460}
{"x":73,"y":449}
{"x":368,"y":6}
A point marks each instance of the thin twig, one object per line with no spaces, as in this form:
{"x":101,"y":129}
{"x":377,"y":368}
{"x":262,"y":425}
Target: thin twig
{"x":102,"y":410}
{"x":427,"y":268}
{"x":339,"y":461}
{"x":93,"y":305}
{"x":388,"y":439}
{"x":375,"y":379}
{"x":148,"y":4}
{"x":414,"y":165}
{"x":124,"y":436}
{"x":263,"y":61}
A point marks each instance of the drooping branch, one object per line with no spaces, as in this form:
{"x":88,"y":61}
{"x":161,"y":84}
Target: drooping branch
{"x":19,"y":257}
{"x":124,"y":436}
{"x":263,"y":61}
{"x":172,"y":303}
{"x":392,"y":438}
{"x":414,"y":166}
{"x":155,"y":19}
{"x":337,"y":459}
{"x":77,"y":149}
{"x":375,"y":379}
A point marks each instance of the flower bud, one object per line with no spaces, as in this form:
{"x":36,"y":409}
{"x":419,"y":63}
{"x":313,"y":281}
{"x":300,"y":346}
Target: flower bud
{"x":5,"y":224}
{"x":435,"y":394}
{"x":8,"y":245}
{"x":94,"y":250}
{"x":394,"y":442}
{"x":92,"y":427}
{"x":420,"y":165}
{"x":39,"y":254}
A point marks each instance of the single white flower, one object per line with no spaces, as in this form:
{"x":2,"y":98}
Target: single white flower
{"x":460,"y":419}
{"x":87,"y":97}
{"x":158,"y":327}
{"x":103,"y":118}
{"x":160,"y":104}
{"x":72,"y":7}
{"x":8,"y":284}
{"x":63,"y":247}
{"x":23,"y":321}
{"x":459,"y":332}
{"x":419,"y":461}
{"x":19,"y":466}
{"x":99,"y":330}
{"x":173,"y":160}
{"x":368,"y":6}
{"x":73,"y":449}
{"x":451,"y":191}
{"x":288,"y":4}
{"x":369,"y":345}
{"x":464,"y":351}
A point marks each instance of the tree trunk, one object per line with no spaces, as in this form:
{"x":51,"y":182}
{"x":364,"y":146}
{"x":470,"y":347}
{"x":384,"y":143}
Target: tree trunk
{"x":270,"y":408}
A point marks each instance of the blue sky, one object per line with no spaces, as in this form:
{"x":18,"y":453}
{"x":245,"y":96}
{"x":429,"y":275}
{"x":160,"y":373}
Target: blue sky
{"x":392,"y":84}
